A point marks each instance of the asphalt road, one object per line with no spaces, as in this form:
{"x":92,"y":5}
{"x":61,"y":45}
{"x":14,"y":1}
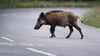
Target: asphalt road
{"x":18,"y":38}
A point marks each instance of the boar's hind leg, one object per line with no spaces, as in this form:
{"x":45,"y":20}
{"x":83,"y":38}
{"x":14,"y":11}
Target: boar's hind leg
{"x":79,"y":29}
{"x":52,"y":30}
{"x":71,"y":30}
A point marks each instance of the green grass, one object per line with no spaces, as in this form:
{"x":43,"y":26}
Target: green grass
{"x":54,"y":4}
{"x":34,"y":4}
{"x":92,"y":17}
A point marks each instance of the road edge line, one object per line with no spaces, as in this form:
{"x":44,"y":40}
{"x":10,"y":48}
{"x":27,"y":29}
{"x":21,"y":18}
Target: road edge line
{"x":39,"y":51}
{"x":5,"y":38}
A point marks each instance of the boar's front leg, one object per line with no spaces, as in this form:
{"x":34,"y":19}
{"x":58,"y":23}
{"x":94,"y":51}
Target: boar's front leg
{"x":52,"y":30}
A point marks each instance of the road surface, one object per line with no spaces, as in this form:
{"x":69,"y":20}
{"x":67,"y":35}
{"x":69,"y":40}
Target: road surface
{"x":18,"y":38}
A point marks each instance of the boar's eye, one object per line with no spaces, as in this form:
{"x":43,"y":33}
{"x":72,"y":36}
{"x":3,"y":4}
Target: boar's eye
{"x":41,"y":21}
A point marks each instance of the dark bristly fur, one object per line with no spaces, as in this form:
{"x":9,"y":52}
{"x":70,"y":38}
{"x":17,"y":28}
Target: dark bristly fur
{"x":59,"y":18}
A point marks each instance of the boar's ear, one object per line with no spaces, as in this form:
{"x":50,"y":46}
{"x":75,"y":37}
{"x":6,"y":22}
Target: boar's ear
{"x":41,"y":14}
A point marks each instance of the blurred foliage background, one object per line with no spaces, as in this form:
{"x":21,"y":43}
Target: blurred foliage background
{"x":47,"y":3}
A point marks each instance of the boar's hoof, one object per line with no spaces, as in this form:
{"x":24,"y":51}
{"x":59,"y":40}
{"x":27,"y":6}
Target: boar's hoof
{"x":52,"y":36}
{"x":81,"y":37}
{"x":66,"y":38}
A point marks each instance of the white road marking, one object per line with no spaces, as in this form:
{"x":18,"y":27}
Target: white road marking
{"x":5,"y":38}
{"x":42,"y":52}
{"x":15,"y":44}
{"x":26,"y":44}
{"x":10,"y":44}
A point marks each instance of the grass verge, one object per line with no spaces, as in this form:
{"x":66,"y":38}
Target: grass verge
{"x":92,"y":17}
{"x":35,"y":4}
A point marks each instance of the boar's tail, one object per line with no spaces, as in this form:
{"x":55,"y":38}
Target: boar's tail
{"x":80,"y":19}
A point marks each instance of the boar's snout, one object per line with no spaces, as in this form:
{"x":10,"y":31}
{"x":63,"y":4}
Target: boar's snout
{"x":36,"y":27}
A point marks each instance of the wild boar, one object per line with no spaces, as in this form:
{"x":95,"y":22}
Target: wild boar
{"x":58,"y":18}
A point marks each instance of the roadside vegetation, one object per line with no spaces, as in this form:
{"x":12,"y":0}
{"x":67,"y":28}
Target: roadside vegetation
{"x":92,"y":17}
{"x":47,"y":3}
